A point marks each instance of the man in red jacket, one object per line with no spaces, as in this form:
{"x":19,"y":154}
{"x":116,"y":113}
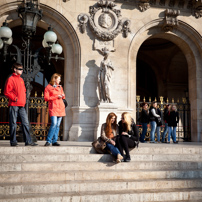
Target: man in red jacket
{"x":15,"y":91}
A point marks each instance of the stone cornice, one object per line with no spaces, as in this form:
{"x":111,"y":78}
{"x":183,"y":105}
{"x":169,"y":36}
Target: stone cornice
{"x":193,"y":7}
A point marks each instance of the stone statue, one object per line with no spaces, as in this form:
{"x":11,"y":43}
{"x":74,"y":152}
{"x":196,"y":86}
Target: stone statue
{"x":104,"y":78}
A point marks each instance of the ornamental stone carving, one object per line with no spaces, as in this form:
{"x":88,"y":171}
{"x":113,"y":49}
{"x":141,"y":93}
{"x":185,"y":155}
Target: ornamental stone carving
{"x":170,"y":20}
{"x":104,"y":21}
{"x":144,"y":5}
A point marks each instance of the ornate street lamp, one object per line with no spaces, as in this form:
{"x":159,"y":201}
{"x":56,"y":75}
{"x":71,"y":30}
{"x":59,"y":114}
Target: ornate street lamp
{"x":30,"y":14}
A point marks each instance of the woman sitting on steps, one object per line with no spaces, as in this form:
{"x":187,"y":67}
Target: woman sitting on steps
{"x":109,"y":131}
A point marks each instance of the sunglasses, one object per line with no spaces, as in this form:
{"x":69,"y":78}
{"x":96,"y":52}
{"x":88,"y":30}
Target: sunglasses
{"x":19,"y":69}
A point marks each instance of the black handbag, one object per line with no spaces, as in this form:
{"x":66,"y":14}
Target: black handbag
{"x":65,"y":102}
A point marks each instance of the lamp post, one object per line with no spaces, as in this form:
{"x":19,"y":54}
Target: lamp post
{"x":30,"y":14}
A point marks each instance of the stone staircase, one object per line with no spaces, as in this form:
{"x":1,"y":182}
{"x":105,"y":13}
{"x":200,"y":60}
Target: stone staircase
{"x":73,"y":172}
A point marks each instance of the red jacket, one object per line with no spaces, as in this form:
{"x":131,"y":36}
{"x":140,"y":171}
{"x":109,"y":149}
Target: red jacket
{"x":55,"y":104}
{"x":15,"y":91}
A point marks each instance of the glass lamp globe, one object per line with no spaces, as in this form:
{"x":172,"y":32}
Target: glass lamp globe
{"x":1,"y":43}
{"x":9,"y":41}
{"x":44,"y":44}
{"x":57,"y":49}
{"x":5,"y":32}
{"x":50,"y":37}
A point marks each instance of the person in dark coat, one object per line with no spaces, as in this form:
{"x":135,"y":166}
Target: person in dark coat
{"x":128,"y":135}
{"x":159,"y":124}
{"x":165,"y":116}
{"x":144,"y":120}
{"x":153,"y":116}
{"x":173,"y":120}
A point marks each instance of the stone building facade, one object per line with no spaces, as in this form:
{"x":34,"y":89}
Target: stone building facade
{"x":157,"y":42}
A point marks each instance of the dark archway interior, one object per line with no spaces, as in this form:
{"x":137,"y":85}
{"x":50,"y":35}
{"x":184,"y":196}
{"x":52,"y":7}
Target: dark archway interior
{"x":44,"y":76}
{"x":162,"y":70}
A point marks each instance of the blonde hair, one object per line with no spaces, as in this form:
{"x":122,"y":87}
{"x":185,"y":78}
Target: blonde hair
{"x":109,"y":126}
{"x":172,"y":108}
{"x":53,"y":78}
{"x":128,"y":120}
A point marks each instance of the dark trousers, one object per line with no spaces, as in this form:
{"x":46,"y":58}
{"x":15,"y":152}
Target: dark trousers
{"x":123,"y":142}
{"x":14,"y":112}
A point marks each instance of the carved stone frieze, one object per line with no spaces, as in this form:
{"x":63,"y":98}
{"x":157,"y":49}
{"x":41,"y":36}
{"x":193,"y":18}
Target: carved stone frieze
{"x":104,"y":21}
{"x":162,"y":2}
{"x":196,"y":8}
{"x":172,"y":3}
{"x":144,"y":5}
{"x":170,"y":20}
{"x":181,"y":3}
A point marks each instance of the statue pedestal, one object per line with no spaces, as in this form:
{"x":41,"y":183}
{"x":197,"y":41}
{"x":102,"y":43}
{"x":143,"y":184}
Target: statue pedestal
{"x":102,"y":111}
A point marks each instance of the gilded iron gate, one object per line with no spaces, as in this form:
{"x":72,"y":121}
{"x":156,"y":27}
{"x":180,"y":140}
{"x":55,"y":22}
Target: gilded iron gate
{"x":183,"y":131}
{"x":38,"y":117}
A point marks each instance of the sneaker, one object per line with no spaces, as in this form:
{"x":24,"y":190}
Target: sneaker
{"x":176,"y":142}
{"x":55,"y":144}
{"x":31,"y":144}
{"x":152,"y":141}
{"x":119,"y":158}
{"x":14,"y":145}
{"x":47,"y":144}
{"x":168,"y":142}
{"x":127,"y":159}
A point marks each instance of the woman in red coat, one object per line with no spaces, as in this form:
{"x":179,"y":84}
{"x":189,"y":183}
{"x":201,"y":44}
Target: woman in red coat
{"x":54,"y":94}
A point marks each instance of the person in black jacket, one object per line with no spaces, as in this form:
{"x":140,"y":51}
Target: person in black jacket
{"x":173,"y":120}
{"x":128,"y":135}
{"x":153,"y":116}
{"x":165,"y":115}
{"x":159,"y":124}
{"x":144,"y":120}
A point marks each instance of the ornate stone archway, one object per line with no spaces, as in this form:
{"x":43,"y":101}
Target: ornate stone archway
{"x":71,"y":48}
{"x":189,"y":41}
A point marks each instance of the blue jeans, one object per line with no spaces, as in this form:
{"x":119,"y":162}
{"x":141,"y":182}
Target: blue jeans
{"x":114,"y":150}
{"x":14,"y":112}
{"x":172,"y":133}
{"x":52,"y":136}
{"x":153,"y":129}
{"x":144,"y":132}
{"x":165,"y":132}
{"x":158,"y":133}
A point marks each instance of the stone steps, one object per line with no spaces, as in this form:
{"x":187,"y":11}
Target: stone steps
{"x":65,"y":166}
{"x":118,"y":196}
{"x":9,"y":177}
{"x":157,"y":172}
{"x":97,"y":185}
{"x":95,"y":157}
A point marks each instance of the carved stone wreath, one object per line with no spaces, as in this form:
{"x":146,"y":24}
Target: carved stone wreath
{"x":104,"y":21}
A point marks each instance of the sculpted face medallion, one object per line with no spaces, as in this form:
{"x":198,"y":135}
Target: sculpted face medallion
{"x":105,"y":20}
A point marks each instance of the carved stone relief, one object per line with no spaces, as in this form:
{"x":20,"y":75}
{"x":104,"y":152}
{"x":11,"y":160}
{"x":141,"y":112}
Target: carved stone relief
{"x":181,"y":3}
{"x":144,"y":5}
{"x":172,"y":3}
{"x":162,"y":2}
{"x":104,"y":21}
{"x":170,"y":20}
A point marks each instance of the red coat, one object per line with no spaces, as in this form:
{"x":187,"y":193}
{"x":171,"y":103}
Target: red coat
{"x":15,"y":91}
{"x":55,"y":104}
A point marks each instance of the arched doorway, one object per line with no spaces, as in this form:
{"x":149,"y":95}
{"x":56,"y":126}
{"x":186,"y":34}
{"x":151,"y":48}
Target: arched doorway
{"x":189,"y":42}
{"x":162,"y":70}
{"x":71,"y":48}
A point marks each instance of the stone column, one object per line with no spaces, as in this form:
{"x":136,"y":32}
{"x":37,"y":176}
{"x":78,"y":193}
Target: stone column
{"x":102,"y":111}
{"x":83,"y":124}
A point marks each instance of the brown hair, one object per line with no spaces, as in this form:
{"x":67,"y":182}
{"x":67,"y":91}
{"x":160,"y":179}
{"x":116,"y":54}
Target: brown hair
{"x":144,"y":103}
{"x":16,"y":65}
{"x":109,"y":126}
{"x":53,"y":78}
